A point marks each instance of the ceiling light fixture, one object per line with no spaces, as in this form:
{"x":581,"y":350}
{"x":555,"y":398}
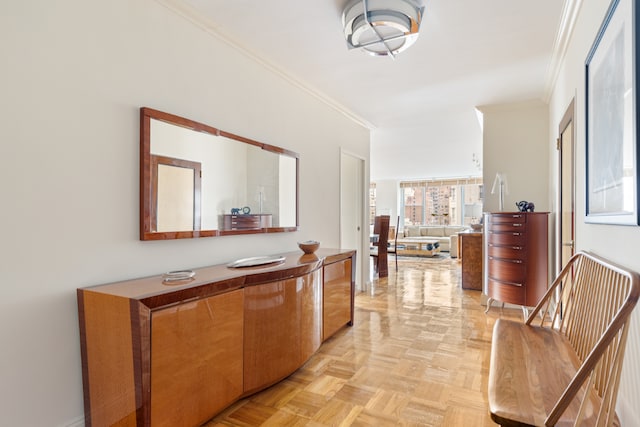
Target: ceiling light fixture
{"x":382,"y":27}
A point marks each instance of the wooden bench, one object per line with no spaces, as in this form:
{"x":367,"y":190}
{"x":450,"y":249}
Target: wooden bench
{"x":562,"y":366}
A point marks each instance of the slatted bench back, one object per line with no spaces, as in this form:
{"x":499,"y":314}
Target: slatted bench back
{"x":590,"y":303}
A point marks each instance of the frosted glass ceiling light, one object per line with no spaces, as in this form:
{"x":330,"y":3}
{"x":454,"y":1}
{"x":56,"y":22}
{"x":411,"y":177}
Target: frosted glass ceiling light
{"x":382,"y":27}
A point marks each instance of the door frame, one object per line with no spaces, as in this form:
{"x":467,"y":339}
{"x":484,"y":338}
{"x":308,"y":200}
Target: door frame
{"x":362,"y":268}
{"x":568,"y":119}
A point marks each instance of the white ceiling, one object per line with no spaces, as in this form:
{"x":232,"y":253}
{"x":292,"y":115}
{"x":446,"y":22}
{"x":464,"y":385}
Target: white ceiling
{"x":469,"y":53}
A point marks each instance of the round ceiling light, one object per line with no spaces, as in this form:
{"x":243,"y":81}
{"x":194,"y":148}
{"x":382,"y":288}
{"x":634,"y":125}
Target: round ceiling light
{"x":382,"y":27}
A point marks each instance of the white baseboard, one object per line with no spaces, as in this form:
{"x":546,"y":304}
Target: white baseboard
{"x":78,"y":422}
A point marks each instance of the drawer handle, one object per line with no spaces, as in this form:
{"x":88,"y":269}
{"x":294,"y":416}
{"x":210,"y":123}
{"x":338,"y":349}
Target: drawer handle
{"x":516,"y":216}
{"x":517,"y":234}
{"x":515,"y":248}
{"x":517,"y":224}
{"x":502,"y":282}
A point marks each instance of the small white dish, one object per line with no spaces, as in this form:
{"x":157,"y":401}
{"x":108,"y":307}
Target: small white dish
{"x":255,"y":261}
{"x":174,"y":276}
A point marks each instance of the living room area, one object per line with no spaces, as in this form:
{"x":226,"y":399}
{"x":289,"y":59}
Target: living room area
{"x":454,"y":191}
{"x":430,"y":214}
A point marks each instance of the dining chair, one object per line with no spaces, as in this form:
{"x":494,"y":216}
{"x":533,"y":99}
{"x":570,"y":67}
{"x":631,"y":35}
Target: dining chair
{"x":392,"y":248}
{"x":379,"y":252}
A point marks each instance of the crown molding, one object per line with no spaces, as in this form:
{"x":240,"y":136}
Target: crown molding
{"x":512,"y":106}
{"x":568,"y":20}
{"x":192,"y":15}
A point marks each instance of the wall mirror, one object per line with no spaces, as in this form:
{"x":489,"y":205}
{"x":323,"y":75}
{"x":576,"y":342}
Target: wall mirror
{"x":200,"y":181}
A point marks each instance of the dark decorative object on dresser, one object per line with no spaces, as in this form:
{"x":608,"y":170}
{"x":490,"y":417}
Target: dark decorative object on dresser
{"x":524,"y":206}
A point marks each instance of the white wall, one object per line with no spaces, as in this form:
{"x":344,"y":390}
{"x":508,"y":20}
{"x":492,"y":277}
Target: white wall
{"x":387,"y":198}
{"x":516,"y":143}
{"x":440,"y":146}
{"x":617,"y":243}
{"x":74,"y":75}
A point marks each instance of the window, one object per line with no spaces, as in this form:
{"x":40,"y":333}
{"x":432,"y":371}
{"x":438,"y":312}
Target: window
{"x":372,"y":202}
{"x":441,"y":202}
{"x":413,"y":207}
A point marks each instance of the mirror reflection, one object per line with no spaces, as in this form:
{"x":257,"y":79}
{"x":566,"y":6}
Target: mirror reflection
{"x":199,"y":181}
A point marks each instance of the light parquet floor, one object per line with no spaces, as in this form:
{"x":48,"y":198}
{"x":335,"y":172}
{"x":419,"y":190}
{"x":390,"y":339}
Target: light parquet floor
{"x":417,"y":355}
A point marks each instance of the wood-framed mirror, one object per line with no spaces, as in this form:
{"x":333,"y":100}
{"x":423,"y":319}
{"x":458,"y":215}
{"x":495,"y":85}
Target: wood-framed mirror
{"x":200,"y":181}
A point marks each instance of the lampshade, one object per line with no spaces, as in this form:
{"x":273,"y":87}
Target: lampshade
{"x":382,"y":27}
{"x":500,"y":184}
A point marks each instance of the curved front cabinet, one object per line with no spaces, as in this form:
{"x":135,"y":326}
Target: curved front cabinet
{"x":196,"y":362}
{"x":282,"y":324}
{"x":176,"y":354}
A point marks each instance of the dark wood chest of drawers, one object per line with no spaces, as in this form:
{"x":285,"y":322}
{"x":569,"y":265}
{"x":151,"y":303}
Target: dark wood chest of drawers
{"x":517,"y":251}
{"x":246,"y":221}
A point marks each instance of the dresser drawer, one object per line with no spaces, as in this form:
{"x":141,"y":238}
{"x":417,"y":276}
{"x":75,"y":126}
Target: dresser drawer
{"x":519,"y":227}
{"x":244,"y":219}
{"x":241,"y":222}
{"x":509,"y":252}
{"x":506,"y":238}
{"x":506,"y":292}
{"x":507,"y":270}
{"x":507,"y":218}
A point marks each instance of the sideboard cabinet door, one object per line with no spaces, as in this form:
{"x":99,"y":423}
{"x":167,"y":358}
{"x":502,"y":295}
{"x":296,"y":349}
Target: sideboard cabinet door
{"x":337,"y":297}
{"x":196,"y":359}
{"x":282,"y":328}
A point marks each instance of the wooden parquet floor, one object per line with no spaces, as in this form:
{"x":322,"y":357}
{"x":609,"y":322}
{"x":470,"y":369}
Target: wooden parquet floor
{"x":417,"y":355}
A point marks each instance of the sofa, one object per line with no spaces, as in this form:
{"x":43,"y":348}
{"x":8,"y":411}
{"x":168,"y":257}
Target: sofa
{"x":445,"y":235}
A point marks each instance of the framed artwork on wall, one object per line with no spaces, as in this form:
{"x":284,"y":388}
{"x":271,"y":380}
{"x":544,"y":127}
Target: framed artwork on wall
{"x":612,"y":118}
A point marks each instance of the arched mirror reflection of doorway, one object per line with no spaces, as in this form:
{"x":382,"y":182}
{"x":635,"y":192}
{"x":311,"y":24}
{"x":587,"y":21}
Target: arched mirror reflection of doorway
{"x":176,"y":194}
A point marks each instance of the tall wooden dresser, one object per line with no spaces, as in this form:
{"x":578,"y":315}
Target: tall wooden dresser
{"x":246,"y":221}
{"x":516,"y":257}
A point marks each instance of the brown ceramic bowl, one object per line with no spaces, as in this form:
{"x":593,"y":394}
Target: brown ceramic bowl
{"x":309,"y":246}
{"x":476,"y":227}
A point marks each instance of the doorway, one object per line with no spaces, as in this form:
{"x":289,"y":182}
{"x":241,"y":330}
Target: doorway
{"x":352,"y":202}
{"x":176,"y":194}
{"x":565,"y":246}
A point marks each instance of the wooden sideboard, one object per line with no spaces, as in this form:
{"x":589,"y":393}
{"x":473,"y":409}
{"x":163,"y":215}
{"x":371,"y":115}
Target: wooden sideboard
{"x":517,"y":253}
{"x":470,"y":254}
{"x":246,"y":221}
{"x":156,"y":354}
